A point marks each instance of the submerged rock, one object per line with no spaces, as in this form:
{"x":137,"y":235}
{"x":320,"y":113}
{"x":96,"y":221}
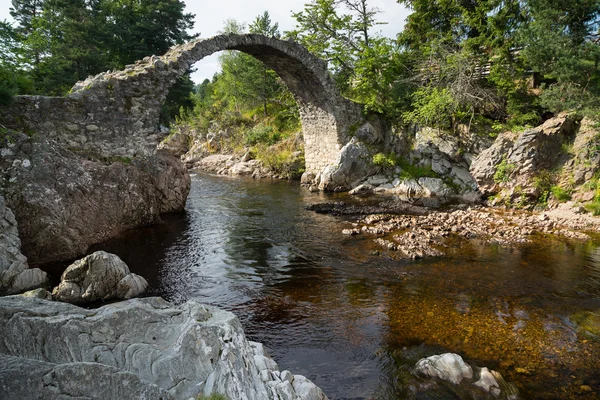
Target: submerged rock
{"x":99,"y":276}
{"x":451,"y":368}
{"x":135,"y":349}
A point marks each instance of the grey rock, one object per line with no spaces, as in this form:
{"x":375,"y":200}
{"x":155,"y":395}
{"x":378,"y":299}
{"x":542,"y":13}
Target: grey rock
{"x":529,"y":153}
{"x":409,"y":187}
{"x":354,"y":164}
{"x":451,"y":368}
{"x":15,"y":274}
{"x":488,"y":382}
{"x":434,"y":187}
{"x":65,"y":202}
{"x":184,"y":350}
{"x":244,"y":167}
{"x":99,"y":276}
{"x":30,"y":379}
{"x":132,"y":285}
{"x":448,"y":367}
{"x":365,"y":188}
{"x":377,"y":180}
{"x":38,"y":294}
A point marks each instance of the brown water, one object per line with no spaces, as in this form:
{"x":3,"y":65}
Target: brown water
{"x":336,"y":309}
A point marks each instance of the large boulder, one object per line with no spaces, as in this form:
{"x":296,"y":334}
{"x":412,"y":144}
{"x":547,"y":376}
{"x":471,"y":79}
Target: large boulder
{"x":515,"y":159}
{"x":100,"y":276}
{"x":185,"y":350}
{"x":64,"y":202}
{"x":15,"y":274}
{"x":353,"y":165}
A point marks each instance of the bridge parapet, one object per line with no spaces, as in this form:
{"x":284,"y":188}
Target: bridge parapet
{"x":116,"y":113}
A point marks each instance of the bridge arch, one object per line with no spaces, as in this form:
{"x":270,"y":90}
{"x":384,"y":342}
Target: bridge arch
{"x":134,"y":96}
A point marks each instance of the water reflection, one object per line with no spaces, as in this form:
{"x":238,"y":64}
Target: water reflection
{"x":328,"y":307}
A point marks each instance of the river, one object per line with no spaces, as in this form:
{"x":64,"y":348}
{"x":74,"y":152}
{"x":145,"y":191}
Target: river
{"x":340,"y":311}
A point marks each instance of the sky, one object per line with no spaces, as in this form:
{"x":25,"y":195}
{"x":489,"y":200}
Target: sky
{"x":210,"y":18}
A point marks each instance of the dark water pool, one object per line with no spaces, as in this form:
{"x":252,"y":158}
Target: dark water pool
{"x":352,"y":319}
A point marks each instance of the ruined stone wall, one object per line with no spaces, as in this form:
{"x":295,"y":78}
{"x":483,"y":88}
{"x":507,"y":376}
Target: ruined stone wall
{"x":117,"y":113}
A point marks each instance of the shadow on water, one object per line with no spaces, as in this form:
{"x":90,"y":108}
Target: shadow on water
{"x":335,"y":309}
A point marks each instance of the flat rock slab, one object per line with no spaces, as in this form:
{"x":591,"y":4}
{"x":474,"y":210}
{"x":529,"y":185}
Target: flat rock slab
{"x":185,"y":351}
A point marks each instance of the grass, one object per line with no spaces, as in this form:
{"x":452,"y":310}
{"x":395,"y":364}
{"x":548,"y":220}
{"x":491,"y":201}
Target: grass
{"x":561,"y":194}
{"x":409,"y":171}
{"x":594,"y":205}
{"x":213,"y":396}
{"x":280,"y":159}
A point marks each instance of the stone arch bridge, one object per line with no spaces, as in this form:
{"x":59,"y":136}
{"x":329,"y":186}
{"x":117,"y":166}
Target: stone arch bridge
{"x":117,"y":113}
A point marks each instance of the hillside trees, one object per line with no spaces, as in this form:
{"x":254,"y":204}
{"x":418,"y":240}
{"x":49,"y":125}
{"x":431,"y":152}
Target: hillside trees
{"x":63,"y":41}
{"x":366,"y":66}
{"x":506,"y":47}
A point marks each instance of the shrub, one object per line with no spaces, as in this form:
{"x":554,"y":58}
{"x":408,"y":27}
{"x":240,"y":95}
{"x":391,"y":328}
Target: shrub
{"x":383,"y":160}
{"x":561,"y":194}
{"x":282,"y":160}
{"x":594,"y":205}
{"x":432,"y":107}
{"x":503,"y":171}
{"x":261,"y":134}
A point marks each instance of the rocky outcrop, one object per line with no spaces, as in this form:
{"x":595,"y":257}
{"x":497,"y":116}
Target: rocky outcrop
{"x":449,"y":156}
{"x":25,"y":378}
{"x":100,"y":276}
{"x":420,"y":232}
{"x":150,"y":346}
{"x":450,"y":367}
{"x":15,"y":274}
{"x":514,"y":160}
{"x":64,"y":201}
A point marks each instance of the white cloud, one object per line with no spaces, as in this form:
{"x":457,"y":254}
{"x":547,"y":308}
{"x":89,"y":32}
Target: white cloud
{"x":210,"y":18}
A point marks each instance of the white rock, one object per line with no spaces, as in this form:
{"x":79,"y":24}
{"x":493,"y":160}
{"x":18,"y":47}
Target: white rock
{"x":488,"y":382}
{"x":448,"y":366}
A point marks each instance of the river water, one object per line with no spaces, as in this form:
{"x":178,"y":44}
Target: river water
{"x":354,"y":320}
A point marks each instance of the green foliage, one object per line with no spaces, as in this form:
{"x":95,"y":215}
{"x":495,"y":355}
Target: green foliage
{"x":503,"y":171}
{"x":569,"y":96}
{"x":432,"y":107}
{"x":594,"y":184}
{"x":411,"y":171}
{"x":213,"y":396}
{"x":384,"y":161}
{"x":246,"y":99}
{"x":62,"y":41}
{"x":262,"y":134}
{"x":561,"y":194}
{"x":366,"y":67}
{"x":282,"y":159}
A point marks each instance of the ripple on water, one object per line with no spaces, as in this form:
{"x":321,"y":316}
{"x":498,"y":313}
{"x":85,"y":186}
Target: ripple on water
{"x":343,"y":313}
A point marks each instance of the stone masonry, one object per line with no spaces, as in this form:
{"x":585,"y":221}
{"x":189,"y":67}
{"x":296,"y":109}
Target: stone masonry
{"x":117,"y":113}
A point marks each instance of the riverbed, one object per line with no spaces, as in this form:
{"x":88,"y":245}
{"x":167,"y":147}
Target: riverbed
{"x":352,"y":318}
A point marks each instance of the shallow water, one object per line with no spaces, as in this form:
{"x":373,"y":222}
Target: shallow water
{"x":352,"y":319}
